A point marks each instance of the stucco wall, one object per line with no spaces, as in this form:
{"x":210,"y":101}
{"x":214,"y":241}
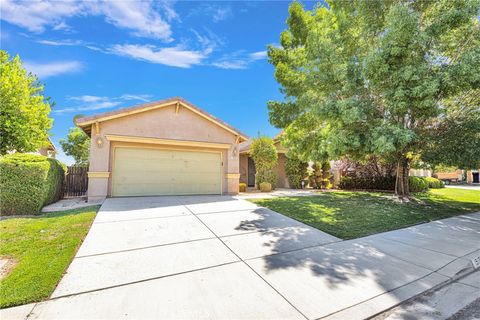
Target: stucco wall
{"x":244,"y":168}
{"x":282,"y":180}
{"x":162,"y":123}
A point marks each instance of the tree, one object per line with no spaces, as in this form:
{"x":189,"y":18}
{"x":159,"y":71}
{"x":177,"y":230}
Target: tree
{"x":265,"y":156}
{"x":373,"y":78}
{"x":24,"y":121}
{"x":296,"y":170}
{"x":77,"y":145}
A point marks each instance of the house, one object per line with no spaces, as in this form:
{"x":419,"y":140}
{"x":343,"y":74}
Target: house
{"x":470,"y":176}
{"x":247,"y":166}
{"x":167,"y":147}
{"x":48,"y":150}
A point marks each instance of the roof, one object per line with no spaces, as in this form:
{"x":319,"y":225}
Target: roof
{"x":51,"y":146}
{"x":86,"y":122}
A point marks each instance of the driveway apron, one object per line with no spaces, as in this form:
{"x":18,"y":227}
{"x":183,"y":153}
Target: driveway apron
{"x":219,"y":257}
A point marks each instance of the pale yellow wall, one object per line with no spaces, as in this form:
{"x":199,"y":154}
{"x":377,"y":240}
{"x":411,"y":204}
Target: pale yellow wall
{"x":161,"y":123}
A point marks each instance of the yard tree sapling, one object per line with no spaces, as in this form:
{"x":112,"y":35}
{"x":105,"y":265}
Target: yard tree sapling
{"x":265,"y":156}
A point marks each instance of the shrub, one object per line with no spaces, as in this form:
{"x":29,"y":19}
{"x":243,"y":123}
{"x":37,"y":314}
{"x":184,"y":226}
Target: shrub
{"x":242,"y":187}
{"x":265,"y":187}
{"x":296,"y":171}
{"x":28,"y":182}
{"x":269,"y":176}
{"x":368,"y":183}
{"x":417,"y":184}
{"x":265,"y":156}
{"x":434,"y":183}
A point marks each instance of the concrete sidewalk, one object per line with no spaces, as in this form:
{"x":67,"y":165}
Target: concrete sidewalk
{"x":212,"y":257}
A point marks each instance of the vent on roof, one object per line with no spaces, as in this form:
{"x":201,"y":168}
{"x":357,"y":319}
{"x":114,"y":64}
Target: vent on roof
{"x":476,"y":262}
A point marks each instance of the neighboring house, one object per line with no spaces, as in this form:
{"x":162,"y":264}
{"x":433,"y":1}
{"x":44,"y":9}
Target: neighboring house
{"x":420,"y":172}
{"x":167,"y":147}
{"x":247,"y":166}
{"x":471,"y":176}
{"x":49,"y":150}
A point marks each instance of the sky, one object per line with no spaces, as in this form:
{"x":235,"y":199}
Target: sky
{"x":99,"y":56}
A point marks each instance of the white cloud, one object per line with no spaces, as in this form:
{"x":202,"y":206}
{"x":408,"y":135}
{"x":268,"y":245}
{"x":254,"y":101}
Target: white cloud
{"x":258,"y":55}
{"x":138,"y":97}
{"x":65,"y":42}
{"x":213,"y":11}
{"x":170,"y":56}
{"x":44,"y":70}
{"x":144,"y":18}
{"x":222,"y":13}
{"x":88,"y":99}
{"x":91,"y":102}
{"x":141,"y":17}
{"x":36,"y":15}
{"x":239,"y":60}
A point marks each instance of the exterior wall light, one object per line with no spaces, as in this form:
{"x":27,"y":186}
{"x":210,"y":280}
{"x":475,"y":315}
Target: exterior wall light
{"x":99,"y":142}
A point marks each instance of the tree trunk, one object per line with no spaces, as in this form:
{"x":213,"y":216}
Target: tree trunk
{"x":402,"y":190}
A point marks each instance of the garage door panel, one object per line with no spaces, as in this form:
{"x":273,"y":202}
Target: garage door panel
{"x":142,"y":171}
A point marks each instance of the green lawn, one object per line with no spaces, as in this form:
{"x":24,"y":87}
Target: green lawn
{"x":349,"y":215}
{"x":43,"y":246}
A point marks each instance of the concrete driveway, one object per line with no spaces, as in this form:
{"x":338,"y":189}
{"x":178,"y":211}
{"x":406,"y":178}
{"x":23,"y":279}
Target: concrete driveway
{"x":213,"y":257}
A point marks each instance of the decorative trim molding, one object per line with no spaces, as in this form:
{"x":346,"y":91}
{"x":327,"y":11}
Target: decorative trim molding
{"x":233,"y":175}
{"x":171,"y":142}
{"x":98,"y":174}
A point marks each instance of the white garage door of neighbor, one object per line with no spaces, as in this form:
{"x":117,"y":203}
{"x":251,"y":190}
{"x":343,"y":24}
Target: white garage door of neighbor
{"x":150,"y":172}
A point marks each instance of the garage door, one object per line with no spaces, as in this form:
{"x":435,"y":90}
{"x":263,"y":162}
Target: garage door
{"x":145,"y":172}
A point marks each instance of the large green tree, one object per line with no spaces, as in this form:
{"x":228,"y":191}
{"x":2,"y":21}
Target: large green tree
{"x":24,"y":121}
{"x":77,"y":145}
{"x":376,"y":77}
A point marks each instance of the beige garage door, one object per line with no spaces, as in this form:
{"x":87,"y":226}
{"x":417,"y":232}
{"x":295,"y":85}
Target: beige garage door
{"x":148,"y":172}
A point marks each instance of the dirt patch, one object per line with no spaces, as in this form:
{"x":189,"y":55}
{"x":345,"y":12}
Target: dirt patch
{"x":6,"y":266}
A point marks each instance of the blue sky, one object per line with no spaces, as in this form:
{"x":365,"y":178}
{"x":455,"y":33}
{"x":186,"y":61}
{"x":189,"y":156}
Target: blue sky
{"x":99,"y":56}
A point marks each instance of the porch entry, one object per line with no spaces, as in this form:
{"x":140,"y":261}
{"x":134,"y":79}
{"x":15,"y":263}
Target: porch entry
{"x":251,"y":172}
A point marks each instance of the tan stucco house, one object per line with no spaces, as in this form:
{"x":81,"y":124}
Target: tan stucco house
{"x":167,"y":147}
{"x":247,"y":166}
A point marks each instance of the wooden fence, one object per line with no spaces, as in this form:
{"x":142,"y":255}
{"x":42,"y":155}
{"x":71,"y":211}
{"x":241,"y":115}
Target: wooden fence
{"x":76,"y":182}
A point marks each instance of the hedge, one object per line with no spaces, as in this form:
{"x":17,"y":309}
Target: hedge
{"x":434,"y":183}
{"x":416,"y":184}
{"x":368,"y":183}
{"x":28,"y":182}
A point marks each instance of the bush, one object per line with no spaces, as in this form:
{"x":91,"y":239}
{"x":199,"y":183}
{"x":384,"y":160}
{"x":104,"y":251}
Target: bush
{"x":28,"y":182}
{"x":265,"y":156}
{"x":417,"y":184}
{"x":265,"y":187}
{"x":269,"y":176}
{"x":296,"y":171}
{"x":368,"y":183}
{"x":434,"y":183}
{"x":242,"y":187}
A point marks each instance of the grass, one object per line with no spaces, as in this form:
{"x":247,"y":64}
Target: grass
{"x":349,"y":215}
{"x":43,"y":247}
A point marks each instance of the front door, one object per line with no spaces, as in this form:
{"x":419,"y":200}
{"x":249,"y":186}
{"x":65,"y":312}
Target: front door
{"x":476,"y":177}
{"x":251,"y":172}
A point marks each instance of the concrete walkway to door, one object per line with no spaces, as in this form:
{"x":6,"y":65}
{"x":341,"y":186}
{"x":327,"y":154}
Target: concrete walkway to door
{"x":213,"y":257}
